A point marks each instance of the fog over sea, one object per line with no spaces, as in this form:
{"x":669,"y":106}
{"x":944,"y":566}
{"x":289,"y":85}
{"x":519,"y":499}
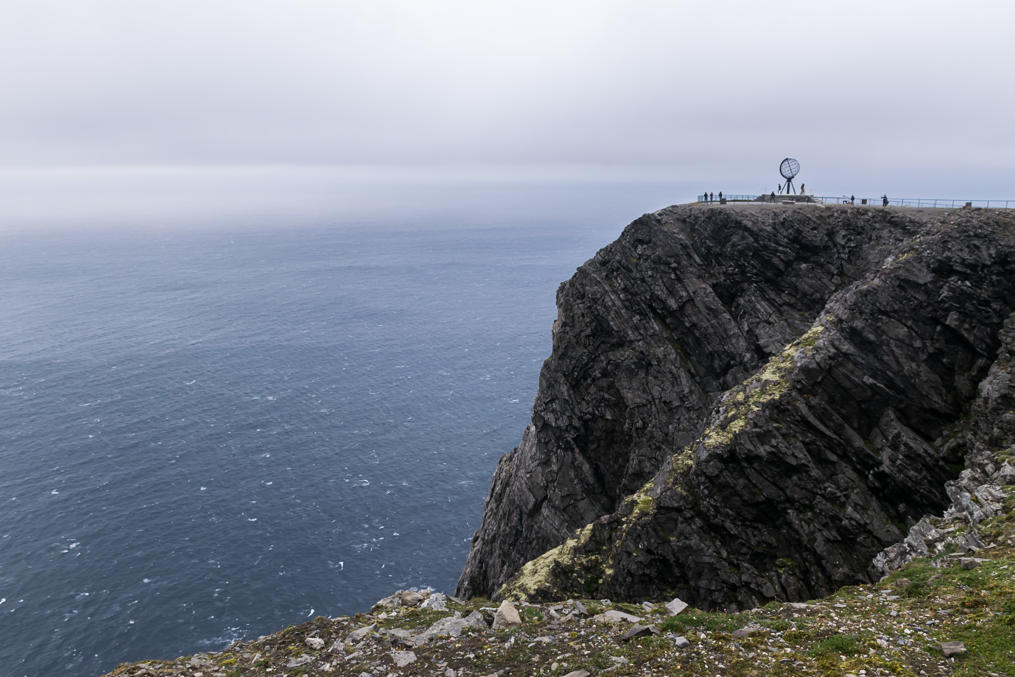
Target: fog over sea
{"x":209,"y":433}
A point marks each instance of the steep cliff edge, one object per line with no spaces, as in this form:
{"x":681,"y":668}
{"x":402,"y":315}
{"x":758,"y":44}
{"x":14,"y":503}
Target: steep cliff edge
{"x":748,"y":403}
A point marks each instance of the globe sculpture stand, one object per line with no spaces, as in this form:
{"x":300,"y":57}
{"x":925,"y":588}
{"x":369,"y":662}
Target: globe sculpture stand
{"x":789,"y":168}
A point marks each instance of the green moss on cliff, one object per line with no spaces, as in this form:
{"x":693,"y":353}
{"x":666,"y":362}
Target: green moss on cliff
{"x":769,"y":383}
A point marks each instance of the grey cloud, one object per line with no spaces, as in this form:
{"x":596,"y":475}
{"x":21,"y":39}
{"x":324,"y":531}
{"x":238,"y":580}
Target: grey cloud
{"x":686,"y":88}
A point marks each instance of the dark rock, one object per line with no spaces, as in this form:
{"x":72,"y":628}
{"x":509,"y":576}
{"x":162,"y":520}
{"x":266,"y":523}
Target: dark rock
{"x":639,"y":631}
{"x":748,"y":404}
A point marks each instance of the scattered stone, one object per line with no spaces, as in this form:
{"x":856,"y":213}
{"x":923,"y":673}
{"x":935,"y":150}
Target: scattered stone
{"x":397,"y":636}
{"x":410,"y":597}
{"x":506,"y":615}
{"x":681,"y":642}
{"x":749,"y":629}
{"x":952,"y":648}
{"x":437,"y":601}
{"x":403,"y":658}
{"x":1007,"y":474}
{"x":315,"y":643}
{"x":649,"y":607}
{"x":579,"y":673}
{"x":580,"y":609}
{"x":389,"y":602}
{"x":675,"y":606}
{"x":639,"y":631}
{"x":357,"y":635}
{"x":970,"y":562}
{"x":450,"y":626}
{"x":614,"y":616}
{"x":302,"y":659}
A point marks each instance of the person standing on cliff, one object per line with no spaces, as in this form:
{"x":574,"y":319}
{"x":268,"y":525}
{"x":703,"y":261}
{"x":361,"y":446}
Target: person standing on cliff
{"x":852,"y":199}
{"x":884,"y":200}
{"x":720,"y":196}
{"x":802,"y":188}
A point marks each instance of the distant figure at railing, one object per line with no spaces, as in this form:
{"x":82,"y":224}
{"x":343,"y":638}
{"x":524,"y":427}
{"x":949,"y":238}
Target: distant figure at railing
{"x":802,"y":191}
{"x":852,"y":199}
{"x":884,"y":200}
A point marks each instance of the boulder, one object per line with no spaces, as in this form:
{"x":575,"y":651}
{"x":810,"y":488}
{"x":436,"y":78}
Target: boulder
{"x":506,"y":615}
{"x":615,"y":616}
{"x":675,"y":606}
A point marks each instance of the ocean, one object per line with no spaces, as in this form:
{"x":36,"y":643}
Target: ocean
{"x":211,"y":434}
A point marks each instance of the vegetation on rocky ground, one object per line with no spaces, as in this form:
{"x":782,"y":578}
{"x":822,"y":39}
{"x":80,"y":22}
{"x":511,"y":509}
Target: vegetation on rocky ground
{"x":894,"y":627}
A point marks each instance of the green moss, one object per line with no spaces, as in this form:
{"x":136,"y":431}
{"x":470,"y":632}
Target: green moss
{"x":537,"y":574}
{"x":767,"y":384}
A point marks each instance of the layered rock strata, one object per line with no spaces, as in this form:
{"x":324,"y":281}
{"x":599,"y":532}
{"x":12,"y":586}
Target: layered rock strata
{"x":748,"y":402}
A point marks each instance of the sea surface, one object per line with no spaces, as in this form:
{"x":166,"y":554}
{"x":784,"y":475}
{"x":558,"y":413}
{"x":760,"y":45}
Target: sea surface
{"x":208,"y":435}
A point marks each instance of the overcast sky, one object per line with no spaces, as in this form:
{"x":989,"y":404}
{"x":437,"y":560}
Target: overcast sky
{"x":914,"y":97}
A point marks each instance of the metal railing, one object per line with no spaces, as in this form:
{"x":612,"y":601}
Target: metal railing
{"x":876,"y":201}
{"x":918,"y":202}
{"x":730,"y":198}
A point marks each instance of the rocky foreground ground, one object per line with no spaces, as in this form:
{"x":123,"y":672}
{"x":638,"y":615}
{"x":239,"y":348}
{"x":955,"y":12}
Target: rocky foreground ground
{"x":949,"y":612}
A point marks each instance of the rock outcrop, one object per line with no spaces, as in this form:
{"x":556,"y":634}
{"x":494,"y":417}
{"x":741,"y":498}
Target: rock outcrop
{"x":749,"y":402}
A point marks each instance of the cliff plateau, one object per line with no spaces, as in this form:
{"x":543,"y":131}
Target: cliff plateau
{"x":749,"y":402}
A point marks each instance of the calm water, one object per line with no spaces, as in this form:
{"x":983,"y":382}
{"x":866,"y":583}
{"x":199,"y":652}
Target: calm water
{"x":210,"y":436}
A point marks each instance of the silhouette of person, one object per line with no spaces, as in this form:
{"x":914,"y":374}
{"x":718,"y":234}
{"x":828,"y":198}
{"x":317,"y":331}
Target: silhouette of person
{"x":711,"y":197}
{"x":852,"y":199}
{"x":720,"y":196}
{"x":780,"y":189}
{"x":802,"y":188}
{"x":704,"y":198}
{"x":773,"y":195}
{"x":884,"y":200}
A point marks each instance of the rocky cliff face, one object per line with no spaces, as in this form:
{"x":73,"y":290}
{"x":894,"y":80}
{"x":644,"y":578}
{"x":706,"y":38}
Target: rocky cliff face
{"x":749,"y":402}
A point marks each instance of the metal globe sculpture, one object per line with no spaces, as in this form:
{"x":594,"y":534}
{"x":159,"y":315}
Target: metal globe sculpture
{"x":789,"y":168}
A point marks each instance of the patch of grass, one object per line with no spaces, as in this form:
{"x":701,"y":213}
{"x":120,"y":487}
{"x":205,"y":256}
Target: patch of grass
{"x":989,"y":646}
{"x":777,"y":624}
{"x":798,"y":636}
{"x":841,"y":645}
{"x":704,"y":620}
{"x":531,"y":614}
